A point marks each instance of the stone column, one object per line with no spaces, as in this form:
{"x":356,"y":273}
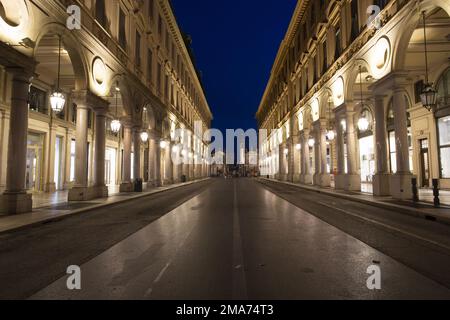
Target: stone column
{"x":296,"y":159}
{"x":137,"y":153}
{"x":67,"y":158}
{"x":151,"y":160}
{"x":100,"y":152}
{"x":168,"y":179}
{"x":305,"y":177}
{"x":352,"y":180}
{"x":15,"y":199}
{"x":339,"y":178}
{"x":401,"y":180}
{"x":50,"y":185}
{"x":290,"y":161}
{"x":126,"y":185}
{"x":157,"y":168}
{"x":282,"y":162}
{"x":381,"y":179}
{"x":322,"y":177}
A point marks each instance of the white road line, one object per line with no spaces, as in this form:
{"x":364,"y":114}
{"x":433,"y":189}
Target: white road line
{"x":239,"y":281}
{"x":161,"y":273}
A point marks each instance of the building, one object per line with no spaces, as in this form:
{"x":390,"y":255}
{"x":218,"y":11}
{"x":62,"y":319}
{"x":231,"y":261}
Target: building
{"x":343,"y":104}
{"x":124,"y":60}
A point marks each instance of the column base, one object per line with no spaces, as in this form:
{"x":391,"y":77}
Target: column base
{"x":296,"y":178}
{"x":87,"y":193}
{"x":401,"y":187}
{"x":306,"y":179}
{"x":126,"y":187}
{"x":381,"y":184}
{"x":352,"y":182}
{"x":15,"y":203}
{"x":282,"y":177}
{"x":50,"y":187}
{"x":157,"y":183}
{"x":322,"y":180}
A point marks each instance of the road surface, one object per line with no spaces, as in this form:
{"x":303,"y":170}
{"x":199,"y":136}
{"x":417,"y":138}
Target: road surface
{"x":235,"y":239}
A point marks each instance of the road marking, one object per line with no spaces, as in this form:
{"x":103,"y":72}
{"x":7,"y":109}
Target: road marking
{"x":161,"y":273}
{"x":239,"y":281}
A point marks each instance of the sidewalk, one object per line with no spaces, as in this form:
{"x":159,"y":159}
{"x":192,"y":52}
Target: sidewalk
{"x":420,"y":209}
{"x":65,"y":209}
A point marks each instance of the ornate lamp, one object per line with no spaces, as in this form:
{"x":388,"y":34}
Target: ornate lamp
{"x":330,"y":131}
{"x":57,"y":99}
{"x":144,"y":136}
{"x":115,"y":124}
{"x":311,"y":142}
{"x":428,"y":95}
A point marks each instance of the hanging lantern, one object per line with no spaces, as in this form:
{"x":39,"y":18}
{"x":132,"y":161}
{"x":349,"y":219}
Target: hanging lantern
{"x":57,"y":99}
{"x":144,"y":136}
{"x":330,"y":135}
{"x":311,"y":142}
{"x":344,"y":125}
{"x":298,"y":146}
{"x":115,"y":126}
{"x":286,"y":151}
{"x":428,"y":95}
{"x":363,"y":124}
{"x":428,"y":98}
{"x":163,"y":144}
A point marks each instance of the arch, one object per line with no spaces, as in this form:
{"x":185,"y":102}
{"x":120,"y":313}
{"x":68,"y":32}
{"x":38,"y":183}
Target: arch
{"x":73,"y":48}
{"x":352,"y":76}
{"x":408,"y":25}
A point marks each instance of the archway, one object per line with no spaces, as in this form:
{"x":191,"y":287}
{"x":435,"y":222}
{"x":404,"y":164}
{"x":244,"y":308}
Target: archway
{"x":61,"y":68}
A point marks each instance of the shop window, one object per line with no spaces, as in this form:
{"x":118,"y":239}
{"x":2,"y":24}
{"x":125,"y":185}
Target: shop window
{"x":444,"y":146}
{"x":443,"y":123}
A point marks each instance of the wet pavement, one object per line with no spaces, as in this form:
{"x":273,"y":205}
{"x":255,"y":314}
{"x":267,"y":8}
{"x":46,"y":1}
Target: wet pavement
{"x":238,"y":240}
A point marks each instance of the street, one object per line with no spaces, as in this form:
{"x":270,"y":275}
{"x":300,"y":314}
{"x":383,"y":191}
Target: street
{"x":231,"y":239}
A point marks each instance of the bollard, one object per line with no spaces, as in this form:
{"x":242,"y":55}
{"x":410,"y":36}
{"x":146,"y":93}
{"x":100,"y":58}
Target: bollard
{"x":415,"y":190}
{"x":436,"y":201}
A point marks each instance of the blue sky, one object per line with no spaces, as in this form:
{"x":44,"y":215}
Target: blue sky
{"x":235,"y":44}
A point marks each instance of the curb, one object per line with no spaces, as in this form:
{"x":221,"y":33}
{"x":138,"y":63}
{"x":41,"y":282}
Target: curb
{"x":94,"y":207}
{"x":394,"y":207}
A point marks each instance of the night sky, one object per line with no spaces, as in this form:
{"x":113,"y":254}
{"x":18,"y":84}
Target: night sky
{"x":235,"y":44}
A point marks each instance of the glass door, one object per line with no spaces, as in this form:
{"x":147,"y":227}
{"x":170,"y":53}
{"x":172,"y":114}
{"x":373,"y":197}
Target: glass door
{"x":424,"y":163}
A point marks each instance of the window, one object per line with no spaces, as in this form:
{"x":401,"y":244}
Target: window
{"x":381,"y":3}
{"x":138,"y":49}
{"x":38,"y":100}
{"x":338,"y":44}
{"x":158,"y":79}
{"x":444,"y":145}
{"x":355,"y":19}
{"x":149,"y":65}
{"x":325,"y":57}
{"x":74,"y":113}
{"x":100,"y":14}
{"x":443,"y":122}
{"x":159,"y":25}
{"x":122,"y":32}
{"x":418,"y":88}
{"x":151,"y":6}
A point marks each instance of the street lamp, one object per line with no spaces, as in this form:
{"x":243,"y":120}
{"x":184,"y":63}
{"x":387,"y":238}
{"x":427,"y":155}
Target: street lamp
{"x":428,"y":95}
{"x":57,"y":99}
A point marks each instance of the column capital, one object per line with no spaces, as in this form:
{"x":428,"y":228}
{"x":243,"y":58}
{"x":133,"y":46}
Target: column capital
{"x":87,"y":99}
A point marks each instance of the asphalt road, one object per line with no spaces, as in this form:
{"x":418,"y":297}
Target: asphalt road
{"x":238,"y":240}
{"x":32,"y":258}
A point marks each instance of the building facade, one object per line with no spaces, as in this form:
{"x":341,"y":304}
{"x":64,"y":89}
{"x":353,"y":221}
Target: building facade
{"x":111,"y":60}
{"x":343,"y":104}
